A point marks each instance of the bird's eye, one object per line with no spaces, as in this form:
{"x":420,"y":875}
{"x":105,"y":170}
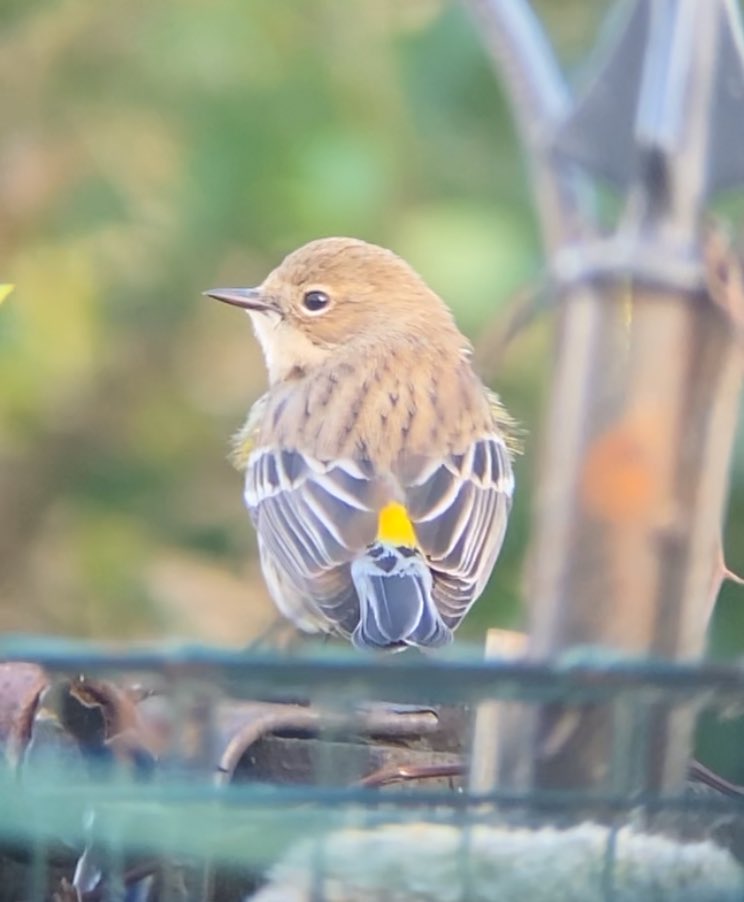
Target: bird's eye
{"x":315,"y":301}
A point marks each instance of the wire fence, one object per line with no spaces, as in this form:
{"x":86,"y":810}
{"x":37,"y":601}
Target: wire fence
{"x":191,"y":773}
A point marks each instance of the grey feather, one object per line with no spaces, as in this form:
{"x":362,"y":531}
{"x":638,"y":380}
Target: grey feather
{"x":317,"y":521}
{"x":395,"y":602}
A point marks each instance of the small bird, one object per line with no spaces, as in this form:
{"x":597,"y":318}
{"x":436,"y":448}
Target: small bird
{"x":377,"y":466}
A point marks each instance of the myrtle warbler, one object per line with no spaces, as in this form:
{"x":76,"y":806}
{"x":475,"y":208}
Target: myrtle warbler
{"x":377,"y":465}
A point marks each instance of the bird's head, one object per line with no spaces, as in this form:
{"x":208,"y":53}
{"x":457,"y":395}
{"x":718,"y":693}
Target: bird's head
{"x":337,"y":293}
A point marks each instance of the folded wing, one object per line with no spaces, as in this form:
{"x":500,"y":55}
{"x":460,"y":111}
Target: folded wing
{"x":459,"y":508}
{"x":313,"y":518}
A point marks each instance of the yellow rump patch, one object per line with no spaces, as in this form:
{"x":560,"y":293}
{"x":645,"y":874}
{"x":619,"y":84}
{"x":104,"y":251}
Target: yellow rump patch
{"x":394,"y":526}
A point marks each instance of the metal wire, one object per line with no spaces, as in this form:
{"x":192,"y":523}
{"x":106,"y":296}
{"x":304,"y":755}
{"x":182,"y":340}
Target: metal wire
{"x":182,"y":810}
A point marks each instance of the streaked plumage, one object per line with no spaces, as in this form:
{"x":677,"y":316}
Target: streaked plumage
{"x":377,"y":469}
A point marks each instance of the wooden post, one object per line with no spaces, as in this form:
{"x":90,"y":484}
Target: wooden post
{"x":644,"y":391}
{"x":634,"y":476}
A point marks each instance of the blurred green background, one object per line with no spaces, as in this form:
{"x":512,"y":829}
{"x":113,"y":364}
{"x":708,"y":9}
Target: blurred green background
{"x":150,"y":150}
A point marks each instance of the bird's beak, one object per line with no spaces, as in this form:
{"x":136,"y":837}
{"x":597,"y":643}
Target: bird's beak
{"x":247,"y":298}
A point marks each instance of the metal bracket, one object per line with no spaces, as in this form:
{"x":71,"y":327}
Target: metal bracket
{"x":661,"y":120}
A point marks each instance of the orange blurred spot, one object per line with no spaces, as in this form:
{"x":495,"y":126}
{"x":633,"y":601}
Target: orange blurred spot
{"x":621,"y":476}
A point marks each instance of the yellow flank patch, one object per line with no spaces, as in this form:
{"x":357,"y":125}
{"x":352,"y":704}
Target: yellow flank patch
{"x":244,"y":441}
{"x":394,"y":526}
{"x":242,"y":445}
{"x":5,"y":290}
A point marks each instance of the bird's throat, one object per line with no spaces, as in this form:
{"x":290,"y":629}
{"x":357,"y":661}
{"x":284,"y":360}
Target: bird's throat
{"x":288,"y":352}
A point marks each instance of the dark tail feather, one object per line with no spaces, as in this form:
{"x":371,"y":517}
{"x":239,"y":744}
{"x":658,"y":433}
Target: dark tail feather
{"x":395,"y":603}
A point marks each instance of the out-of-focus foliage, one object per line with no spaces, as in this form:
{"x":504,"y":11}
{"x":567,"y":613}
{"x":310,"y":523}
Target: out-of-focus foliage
{"x":150,"y":150}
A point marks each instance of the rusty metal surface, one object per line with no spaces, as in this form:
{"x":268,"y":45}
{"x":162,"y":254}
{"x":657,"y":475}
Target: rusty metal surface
{"x":136,"y":726}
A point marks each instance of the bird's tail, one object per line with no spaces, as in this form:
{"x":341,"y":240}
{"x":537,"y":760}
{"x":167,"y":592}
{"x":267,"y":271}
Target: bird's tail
{"x":395,"y":603}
